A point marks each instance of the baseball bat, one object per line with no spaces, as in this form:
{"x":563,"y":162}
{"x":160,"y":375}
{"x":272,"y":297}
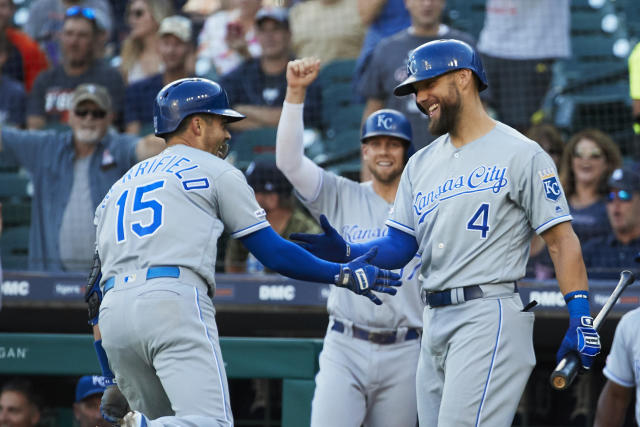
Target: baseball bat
{"x":567,"y":369}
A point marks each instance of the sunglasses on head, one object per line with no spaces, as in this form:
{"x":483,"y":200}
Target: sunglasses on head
{"x":85,"y":12}
{"x":622,"y":195}
{"x":588,"y":154}
{"x":96,"y":114}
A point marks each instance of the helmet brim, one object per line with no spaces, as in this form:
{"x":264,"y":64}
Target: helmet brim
{"x":406,"y":87}
{"x":229,"y":114}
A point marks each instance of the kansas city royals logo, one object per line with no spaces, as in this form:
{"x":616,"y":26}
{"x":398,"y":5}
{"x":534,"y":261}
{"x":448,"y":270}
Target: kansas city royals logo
{"x":550,"y":184}
{"x":385,"y":122}
{"x":412,"y":67}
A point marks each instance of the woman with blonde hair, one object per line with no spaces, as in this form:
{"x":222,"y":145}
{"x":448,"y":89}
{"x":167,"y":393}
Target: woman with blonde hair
{"x":588,"y":160}
{"x":139,"y":56}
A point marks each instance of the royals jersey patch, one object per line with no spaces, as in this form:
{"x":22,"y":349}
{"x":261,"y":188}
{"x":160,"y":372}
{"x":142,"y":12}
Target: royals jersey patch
{"x":550,"y":184}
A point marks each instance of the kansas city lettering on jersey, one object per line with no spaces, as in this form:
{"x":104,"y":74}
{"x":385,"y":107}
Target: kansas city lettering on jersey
{"x":355,"y":233}
{"x":176,"y":165}
{"x":482,"y":178}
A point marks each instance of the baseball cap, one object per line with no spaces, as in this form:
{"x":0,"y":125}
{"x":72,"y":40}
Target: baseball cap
{"x":278,"y":14}
{"x":91,"y":92}
{"x":264,"y":177}
{"x":625,"y":179}
{"x":176,"y":25}
{"x":89,"y":385}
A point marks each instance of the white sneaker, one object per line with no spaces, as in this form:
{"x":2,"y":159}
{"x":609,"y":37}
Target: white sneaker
{"x":134,"y":419}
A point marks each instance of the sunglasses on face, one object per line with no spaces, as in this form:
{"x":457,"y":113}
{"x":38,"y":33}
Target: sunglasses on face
{"x":85,"y":12}
{"x":588,"y":154}
{"x":622,"y":195}
{"x":96,"y":114}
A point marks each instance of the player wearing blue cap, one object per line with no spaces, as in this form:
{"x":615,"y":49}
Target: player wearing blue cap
{"x":157,"y":231}
{"x":86,"y":408}
{"x":358,"y":361}
{"x":470,"y":203}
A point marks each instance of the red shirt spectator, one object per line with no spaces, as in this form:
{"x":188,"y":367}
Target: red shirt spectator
{"x":33,"y":59}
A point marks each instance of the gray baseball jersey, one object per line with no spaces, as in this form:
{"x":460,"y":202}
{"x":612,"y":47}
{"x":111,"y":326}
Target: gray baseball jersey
{"x":170,"y":210}
{"x":623,"y":362}
{"x":474,"y":218}
{"x":358,"y":213}
{"x":473,"y":211}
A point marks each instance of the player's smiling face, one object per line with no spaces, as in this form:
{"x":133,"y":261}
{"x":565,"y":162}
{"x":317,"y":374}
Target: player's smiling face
{"x":441,"y":100}
{"x":384,"y":157}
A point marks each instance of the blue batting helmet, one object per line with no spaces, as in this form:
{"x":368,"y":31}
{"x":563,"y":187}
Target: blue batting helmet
{"x":438,"y":57}
{"x":188,"y":96}
{"x":390,"y":123}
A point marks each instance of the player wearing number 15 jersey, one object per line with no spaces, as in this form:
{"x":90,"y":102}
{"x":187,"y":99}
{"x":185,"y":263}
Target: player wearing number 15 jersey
{"x":157,"y":230}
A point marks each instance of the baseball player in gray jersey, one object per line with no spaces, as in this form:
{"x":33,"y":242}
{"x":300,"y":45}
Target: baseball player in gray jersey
{"x":470,"y":202}
{"x":362,"y":342}
{"x":157,"y":230}
{"x":623,"y":374}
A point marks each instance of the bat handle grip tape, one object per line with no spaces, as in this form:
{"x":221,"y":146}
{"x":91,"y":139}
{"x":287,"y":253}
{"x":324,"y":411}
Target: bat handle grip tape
{"x":565,"y":372}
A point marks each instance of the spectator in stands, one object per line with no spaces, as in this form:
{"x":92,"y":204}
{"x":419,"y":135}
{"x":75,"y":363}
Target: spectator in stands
{"x":519,"y":42}
{"x":257,"y":87}
{"x":549,"y":138}
{"x":13,"y":100}
{"x":388,"y":64}
{"x":634,"y":91}
{"x":228,"y":38}
{"x":588,"y":160}
{"x":25,"y":60}
{"x":606,"y":256}
{"x":71,"y":172}
{"x":86,"y":408}
{"x":326,"y":29}
{"x":47,"y":18}
{"x":48,"y":104}
{"x":19,"y":405}
{"x":382,"y":18}
{"x":274,"y":195}
{"x":139,"y":55}
{"x":174,"y":46}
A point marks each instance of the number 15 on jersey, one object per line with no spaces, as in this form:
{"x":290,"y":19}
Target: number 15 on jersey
{"x":152,"y":205}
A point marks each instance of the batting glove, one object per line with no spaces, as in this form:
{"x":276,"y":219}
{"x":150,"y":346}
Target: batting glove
{"x":114,"y":405}
{"x":362,"y":278}
{"x":581,"y":337}
{"x":329,"y":246}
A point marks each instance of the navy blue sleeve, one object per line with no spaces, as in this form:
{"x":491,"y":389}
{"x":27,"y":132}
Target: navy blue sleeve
{"x":287,"y":258}
{"x":131,"y":104}
{"x":395,"y":250}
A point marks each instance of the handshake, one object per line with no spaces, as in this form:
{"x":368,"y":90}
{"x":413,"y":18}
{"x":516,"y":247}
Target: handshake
{"x":358,"y":275}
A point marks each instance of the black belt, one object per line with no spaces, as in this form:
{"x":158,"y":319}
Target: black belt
{"x":375,"y":337}
{"x":454,"y":296}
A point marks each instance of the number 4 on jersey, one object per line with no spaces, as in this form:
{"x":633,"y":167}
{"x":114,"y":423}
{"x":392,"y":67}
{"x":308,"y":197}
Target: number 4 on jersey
{"x":480,"y":220}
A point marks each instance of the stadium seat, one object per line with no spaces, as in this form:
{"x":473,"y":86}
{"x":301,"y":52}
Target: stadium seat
{"x":337,"y":71}
{"x":16,"y":185}
{"x":248,"y":145}
{"x":14,"y":245}
{"x":343,"y":146}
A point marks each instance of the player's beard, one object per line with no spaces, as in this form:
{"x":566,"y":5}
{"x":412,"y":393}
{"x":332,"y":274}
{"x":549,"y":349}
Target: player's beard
{"x":449,"y":113}
{"x":87,"y":136}
{"x":387,"y":178}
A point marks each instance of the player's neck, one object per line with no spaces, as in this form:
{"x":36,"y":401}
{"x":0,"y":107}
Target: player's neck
{"x":384,"y":190}
{"x":473,"y":123}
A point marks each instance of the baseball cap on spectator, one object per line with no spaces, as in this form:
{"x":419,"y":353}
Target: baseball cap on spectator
{"x":91,"y":92}
{"x":176,"y":25}
{"x":625,"y":179}
{"x":89,"y":385}
{"x":264,"y":177}
{"x":278,"y":14}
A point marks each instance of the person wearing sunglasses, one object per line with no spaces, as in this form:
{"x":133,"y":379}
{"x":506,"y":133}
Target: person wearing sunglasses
{"x":81,"y":40}
{"x":605,"y":257}
{"x":71,"y":171}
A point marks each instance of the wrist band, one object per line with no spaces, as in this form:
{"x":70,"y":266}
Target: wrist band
{"x":576,"y":294}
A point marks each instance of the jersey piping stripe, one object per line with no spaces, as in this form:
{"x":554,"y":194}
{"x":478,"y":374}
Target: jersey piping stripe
{"x":215,"y":357}
{"x":401,"y":227}
{"x":607,"y":373}
{"x":493,"y":359}
{"x":249,"y":229}
{"x":553,"y":222}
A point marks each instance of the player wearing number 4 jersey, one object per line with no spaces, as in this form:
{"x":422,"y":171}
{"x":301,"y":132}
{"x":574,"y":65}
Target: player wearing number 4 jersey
{"x":470,"y":203}
{"x":157,"y":232}
{"x":362,"y":341}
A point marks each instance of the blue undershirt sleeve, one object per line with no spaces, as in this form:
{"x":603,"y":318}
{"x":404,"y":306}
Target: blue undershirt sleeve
{"x":288,"y":258}
{"x":395,"y":250}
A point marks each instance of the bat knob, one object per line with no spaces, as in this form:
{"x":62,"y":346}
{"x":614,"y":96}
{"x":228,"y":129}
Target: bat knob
{"x":558,"y":382}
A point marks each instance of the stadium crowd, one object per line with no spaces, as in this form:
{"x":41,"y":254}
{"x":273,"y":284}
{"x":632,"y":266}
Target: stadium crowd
{"x":78,"y":79}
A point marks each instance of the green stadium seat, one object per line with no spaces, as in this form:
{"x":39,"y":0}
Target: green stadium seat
{"x":252,"y":144}
{"x":16,"y":185}
{"x":14,"y":246}
{"x":343,"y":146}
{"x":337,"y":71}
{"x":16,"y":213}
